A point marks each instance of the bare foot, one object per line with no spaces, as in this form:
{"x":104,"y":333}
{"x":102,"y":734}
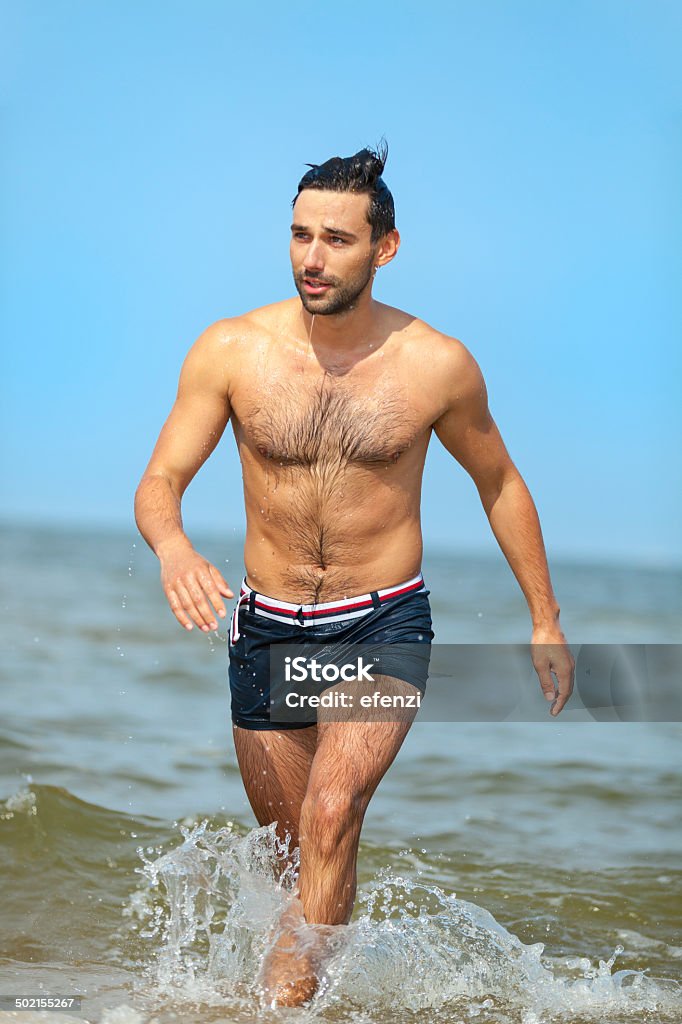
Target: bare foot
{"x":293,"y":993}
{"x":289,"y":975}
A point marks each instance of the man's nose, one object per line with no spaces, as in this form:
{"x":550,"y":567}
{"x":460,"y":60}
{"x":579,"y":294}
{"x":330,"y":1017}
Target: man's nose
{"x":314,"y":257}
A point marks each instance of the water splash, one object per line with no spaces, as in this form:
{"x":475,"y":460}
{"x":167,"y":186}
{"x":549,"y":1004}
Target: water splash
{"x":209,"y":909}
{"x":209,"y":906}
{"x":21,"y":802}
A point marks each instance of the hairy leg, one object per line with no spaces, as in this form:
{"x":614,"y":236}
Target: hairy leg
{"x":351,"y":760}
{"x":275,"y":766}
{"x":317,"y":783}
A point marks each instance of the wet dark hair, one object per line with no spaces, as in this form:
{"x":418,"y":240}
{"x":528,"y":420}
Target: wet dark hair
{"x":358,"y":173}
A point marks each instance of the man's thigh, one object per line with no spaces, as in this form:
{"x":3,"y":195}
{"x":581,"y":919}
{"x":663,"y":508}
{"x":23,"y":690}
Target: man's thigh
{"x":275,"y":765}
{"x":355,"y":749}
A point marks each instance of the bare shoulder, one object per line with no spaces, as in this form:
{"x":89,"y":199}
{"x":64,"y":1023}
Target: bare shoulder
{"x":223,"y":347}
{"x":207,"y":369}
{"x":270,"y":318}
{"x":222,"y":335}
{"x":216,"y":347}
{"x":254,"y":328}
{"x":442,"y":359}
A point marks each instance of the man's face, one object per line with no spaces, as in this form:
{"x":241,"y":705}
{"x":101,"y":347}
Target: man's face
{"x":332,"y":256}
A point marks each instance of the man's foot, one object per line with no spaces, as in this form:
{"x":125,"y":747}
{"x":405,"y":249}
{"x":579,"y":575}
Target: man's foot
{"x":289,"y":976}
{"x":293,"y":993}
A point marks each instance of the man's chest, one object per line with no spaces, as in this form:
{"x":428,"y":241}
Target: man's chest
{"x":309,"y":420}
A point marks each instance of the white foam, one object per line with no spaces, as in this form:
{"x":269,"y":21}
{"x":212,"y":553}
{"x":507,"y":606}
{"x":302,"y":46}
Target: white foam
{"x":210,"y":909}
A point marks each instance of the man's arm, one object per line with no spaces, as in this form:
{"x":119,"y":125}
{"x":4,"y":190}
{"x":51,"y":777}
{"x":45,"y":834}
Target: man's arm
{"x":189,"y":435}
{"x":469,"y":433}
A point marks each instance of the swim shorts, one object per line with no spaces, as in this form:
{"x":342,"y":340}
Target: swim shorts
{"x":395,"y":615}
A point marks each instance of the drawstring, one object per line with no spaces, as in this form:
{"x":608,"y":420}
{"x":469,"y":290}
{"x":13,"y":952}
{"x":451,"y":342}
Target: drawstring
{"x":234,"y":623}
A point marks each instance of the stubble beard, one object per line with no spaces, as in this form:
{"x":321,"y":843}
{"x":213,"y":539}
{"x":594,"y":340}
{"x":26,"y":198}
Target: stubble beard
{"x":340,"y":299}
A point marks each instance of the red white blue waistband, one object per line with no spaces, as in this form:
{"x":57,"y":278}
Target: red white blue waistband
{"x":329,"y":611}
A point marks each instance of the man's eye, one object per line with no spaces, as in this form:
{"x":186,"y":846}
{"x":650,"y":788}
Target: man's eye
{"x":336,"y":238}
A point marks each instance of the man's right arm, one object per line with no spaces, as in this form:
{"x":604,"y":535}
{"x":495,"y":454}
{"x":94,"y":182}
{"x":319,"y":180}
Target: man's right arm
{"x":189,"y":435}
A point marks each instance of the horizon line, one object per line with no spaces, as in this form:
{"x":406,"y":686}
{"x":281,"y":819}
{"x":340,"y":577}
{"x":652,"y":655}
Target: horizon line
{"x":661,"y":562}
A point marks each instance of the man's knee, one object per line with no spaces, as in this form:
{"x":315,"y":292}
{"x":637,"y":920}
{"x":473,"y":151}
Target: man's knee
{"x":327,"y":816}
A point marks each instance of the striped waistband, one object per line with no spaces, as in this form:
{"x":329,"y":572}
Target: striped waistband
{"x":330,"y":611}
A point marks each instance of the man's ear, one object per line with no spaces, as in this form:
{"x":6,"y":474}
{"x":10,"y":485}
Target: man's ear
{"x":387,"y":248}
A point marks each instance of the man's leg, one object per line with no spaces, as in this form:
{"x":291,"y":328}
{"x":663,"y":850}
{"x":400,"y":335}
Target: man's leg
{"x":316,"y":783}
{"x":275,"y":766}
{"x":351,"y":760}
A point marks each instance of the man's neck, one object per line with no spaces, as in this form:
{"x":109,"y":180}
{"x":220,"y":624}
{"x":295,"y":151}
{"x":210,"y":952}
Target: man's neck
{"x":342,"y":332}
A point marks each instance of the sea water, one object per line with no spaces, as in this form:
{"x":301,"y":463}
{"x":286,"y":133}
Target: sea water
{"x":524,"y":872}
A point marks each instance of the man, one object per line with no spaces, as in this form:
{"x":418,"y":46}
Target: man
{"x":333,"y":398}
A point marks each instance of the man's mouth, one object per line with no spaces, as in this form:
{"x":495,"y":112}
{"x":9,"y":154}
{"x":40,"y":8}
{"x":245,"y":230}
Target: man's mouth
{"x":314,"y":286}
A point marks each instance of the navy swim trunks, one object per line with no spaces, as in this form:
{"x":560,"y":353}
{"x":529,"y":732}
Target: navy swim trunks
{"x":395,"y":615}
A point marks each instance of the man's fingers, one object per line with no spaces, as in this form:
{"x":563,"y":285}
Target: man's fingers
{"x":190,"y":583}
{"x":564,"y":674}
{"x":216,"y":600}
{"x":198,"y":596}
{"x":565,"y":690}
{"x":555,"y":668}
{"x":558,"y":704}
{"x":190,"y":607}
{"x":178,"y":611}
{"x":189,"y":596}
{"x":546,"y":680}
{"x":216,"y":588}
{"x":223,"y":587}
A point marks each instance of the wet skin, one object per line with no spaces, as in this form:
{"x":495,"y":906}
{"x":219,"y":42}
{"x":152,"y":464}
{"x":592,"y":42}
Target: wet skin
{"x":333,"y":398}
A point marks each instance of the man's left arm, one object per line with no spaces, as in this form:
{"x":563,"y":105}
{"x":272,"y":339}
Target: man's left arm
{"x":468,"y":431}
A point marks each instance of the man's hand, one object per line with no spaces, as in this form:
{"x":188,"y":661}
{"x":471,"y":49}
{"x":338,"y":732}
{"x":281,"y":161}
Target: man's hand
{"x":551,"y":655}
{"x":189,"y":581}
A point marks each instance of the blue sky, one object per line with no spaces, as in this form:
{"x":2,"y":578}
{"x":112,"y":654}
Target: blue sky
{"x":150,"y":154}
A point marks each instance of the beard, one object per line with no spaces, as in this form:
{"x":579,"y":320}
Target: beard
{"x":340,"y":296}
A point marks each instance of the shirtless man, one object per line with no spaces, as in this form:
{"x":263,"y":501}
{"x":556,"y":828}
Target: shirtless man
{"x":333,"y":398}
